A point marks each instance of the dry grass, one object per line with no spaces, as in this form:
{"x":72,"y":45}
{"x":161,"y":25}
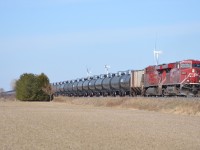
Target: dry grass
{"x":6,"y":99}
{"x":188,"y":106}
{"x":53,"y":125}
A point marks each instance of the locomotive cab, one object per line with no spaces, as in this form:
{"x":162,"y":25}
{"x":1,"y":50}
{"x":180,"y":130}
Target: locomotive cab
{"x":196,"y":69}
{"x":190,"y":76}
{"x":190,"y":72}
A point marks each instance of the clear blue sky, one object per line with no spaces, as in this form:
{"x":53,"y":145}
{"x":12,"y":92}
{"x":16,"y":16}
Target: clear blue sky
{"x":63,"y":37}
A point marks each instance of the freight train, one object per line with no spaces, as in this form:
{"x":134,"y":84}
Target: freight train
{"x":180,"y":78}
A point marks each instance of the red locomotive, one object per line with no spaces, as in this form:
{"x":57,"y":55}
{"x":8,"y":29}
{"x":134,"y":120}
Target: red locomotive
{"x":180,"y":78}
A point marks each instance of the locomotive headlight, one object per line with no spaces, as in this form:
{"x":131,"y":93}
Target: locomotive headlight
{"x":193,"y":70}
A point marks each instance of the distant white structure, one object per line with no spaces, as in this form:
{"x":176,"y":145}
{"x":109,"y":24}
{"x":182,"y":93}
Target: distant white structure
{"x":88,"y":72}
{"x":106,"y":68}
{"x":156,"y":56}
{"x":156,"y":53}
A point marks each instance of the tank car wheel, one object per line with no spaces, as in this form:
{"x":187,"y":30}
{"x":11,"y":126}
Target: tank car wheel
{"x":92,"y":94}
{"x":122,"y":93}
{"x":133,"y":94}
{"x":105,"y":94}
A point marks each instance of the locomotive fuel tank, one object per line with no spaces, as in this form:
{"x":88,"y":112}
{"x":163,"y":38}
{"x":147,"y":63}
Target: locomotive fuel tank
{"x":171,"y":90}
{"x":151,"y":91}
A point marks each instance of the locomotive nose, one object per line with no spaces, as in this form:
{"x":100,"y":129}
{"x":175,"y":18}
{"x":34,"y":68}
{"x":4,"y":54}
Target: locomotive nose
{"x":195,"y":76}
{"x":198,"y":75}
{"x":199,"y":79}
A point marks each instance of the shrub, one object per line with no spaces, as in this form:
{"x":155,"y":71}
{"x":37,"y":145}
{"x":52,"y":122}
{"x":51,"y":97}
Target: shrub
{"x":31,"y":87}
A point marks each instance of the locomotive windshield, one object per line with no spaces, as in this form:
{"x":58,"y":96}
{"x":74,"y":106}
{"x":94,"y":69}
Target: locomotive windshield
{"x":186,"y":65}
{"x":196,"y":65}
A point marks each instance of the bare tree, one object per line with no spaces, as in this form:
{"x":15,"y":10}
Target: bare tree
{"x":48,"y":90}
{"x":2,"y":92}
{"x":13,"y":84}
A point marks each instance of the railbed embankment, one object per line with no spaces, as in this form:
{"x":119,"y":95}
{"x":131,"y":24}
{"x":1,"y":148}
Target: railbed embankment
{"x":176,"y":105}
